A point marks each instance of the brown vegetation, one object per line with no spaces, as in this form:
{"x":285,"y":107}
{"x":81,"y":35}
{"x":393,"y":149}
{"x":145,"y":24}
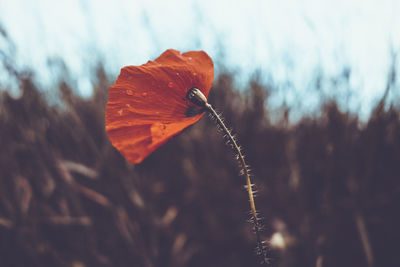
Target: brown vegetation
{"x":329,"y":185}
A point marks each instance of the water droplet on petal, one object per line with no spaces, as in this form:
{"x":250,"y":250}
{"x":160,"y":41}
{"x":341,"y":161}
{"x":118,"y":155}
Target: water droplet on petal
{"x":190,"y":58}
{"x":162,"y":128}
{"x":129,"y":92}
{"x":144,"y":94}
{"x":195,"y":73}
{"x":170,"y":84}
{"x":177,"y":73}
{"x":129,"y":108}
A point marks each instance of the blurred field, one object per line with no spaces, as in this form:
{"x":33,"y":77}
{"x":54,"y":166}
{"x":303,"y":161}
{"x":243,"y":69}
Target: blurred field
{"x":328,"y":185}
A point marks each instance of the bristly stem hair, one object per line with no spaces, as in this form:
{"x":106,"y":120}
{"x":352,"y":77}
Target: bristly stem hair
{"x":197,"y":97}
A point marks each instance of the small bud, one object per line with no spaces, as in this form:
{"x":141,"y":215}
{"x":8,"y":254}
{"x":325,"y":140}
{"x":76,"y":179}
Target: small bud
{"x":196,"y":97}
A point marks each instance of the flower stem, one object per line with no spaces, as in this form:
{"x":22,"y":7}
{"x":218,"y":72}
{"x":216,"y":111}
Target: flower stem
{"x":261,"y":249}
{"x":198,"y":98}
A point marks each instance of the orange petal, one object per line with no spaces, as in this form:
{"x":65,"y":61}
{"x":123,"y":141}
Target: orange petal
{"x":147,"y":104}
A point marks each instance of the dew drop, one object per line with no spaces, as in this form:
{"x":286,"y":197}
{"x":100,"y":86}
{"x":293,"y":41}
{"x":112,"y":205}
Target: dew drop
{"x":162,"y":128}
{"x":129,"y":92}
{"x":177,"y":73}
{"x":170,"y":84}
{"x":195,"y":73}
{"x":190,"y":58}
{"x":144,"y":94}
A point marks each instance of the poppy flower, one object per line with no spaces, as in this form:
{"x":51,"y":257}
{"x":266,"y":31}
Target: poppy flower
{"x":147,"y":105}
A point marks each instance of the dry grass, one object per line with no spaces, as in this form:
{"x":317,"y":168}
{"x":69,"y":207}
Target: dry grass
{"x":329,"y":186}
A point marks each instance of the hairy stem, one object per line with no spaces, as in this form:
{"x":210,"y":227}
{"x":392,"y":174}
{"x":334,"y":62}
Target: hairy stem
{"x":198,"y":98}
{"x":249,"y":186}
{"x":241,"y":158}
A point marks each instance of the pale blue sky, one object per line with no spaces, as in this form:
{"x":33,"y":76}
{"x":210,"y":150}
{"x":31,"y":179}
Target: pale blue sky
{"x":287,"y":40}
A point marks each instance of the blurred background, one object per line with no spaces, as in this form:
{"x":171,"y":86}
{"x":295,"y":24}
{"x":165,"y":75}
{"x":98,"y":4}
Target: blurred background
{"x":310,"y":88}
